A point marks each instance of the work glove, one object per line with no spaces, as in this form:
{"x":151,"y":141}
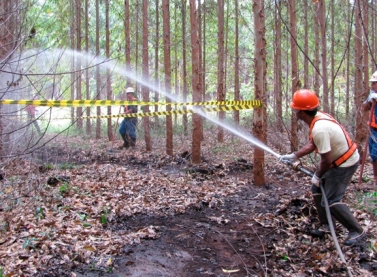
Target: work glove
{"x":289,"y":157}
{"x":316,"y":180}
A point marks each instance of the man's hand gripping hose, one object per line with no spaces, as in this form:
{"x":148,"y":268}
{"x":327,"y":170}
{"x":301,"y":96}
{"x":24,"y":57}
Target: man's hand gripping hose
{"x":296,"y":165}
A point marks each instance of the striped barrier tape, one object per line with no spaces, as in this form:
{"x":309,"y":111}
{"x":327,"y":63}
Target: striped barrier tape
{"x":89,"y":103}
{"x":174,"y":112}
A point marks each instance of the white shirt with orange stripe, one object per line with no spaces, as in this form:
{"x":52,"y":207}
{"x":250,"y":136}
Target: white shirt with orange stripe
{"x":329,"y":136}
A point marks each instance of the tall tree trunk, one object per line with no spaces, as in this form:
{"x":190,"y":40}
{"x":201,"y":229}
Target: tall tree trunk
{"x":87,"y":84}
{"x":98,"y":72}
{"x":348,"y":60}
{"x":78,"y":65}
{"x":156,"y":61}
{"x":236,"y":63}
{"x":278,"y":68}
{"x":196,"y":86}
{"x":322,"y":21}
{"x":260,"y":120}
{"x":220,"y":64}
{"x":184,"y":66}
{"x":109,"y":95}
{"x":73,"y":61}
{"x":359,"y":95}
{"x":9,"y":39}
{"x":365,"y":47}
{"x":167,"y":66}
{"x":127,"y":36}
{"x":294,"y":69}
{"x":201,"y":55}
{"x":306,"y":46}
{"x":317,"y":74}
{"x":145,"y":89}
{"x":332,"y":61}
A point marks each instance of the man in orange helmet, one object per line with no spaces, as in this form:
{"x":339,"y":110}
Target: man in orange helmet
{"x":339,"y":161}
{"x":368,"y":104}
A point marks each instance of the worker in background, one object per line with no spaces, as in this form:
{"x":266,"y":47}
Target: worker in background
{"x":127,"y":128}
{"x":339,"y":161}
{"x":372,"y":123}
{"x":31,"y":111}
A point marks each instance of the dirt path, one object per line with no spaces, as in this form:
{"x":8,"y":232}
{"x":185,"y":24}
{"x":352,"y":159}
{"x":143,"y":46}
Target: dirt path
{"x":220,"y":241}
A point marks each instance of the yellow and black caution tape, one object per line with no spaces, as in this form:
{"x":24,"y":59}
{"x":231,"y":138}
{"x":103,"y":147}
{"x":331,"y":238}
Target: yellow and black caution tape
{"x":176,"y":112}
{"x":90,"y":103}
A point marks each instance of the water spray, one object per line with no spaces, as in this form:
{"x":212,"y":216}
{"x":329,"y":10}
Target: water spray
{"x":298,"y":167}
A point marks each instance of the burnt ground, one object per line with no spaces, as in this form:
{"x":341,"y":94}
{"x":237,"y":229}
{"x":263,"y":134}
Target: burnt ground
{"x":256,"y":231}
{"x":203,"y":241}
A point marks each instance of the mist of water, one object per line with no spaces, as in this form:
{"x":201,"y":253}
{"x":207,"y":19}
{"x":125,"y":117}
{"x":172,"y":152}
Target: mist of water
{"x":55,"y":56}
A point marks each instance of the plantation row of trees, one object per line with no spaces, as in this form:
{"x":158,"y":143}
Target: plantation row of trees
{"x":195,"y":51}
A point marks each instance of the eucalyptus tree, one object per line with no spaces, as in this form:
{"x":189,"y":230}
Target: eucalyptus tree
{"x":260,"y":88}
{"x":145,"y":89}
{"x":220,"y":65}
{"x":195,"y":83}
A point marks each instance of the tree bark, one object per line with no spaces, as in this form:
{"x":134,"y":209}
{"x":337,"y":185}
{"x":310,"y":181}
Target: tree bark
{"x":167,"y":66}
{"x":196,"y":86}
{"x":145,"y":89}
{"x":260,"y":120}
{"x":236,"y":113}
{"x":294,"y":69}
{"x":220,"y":65}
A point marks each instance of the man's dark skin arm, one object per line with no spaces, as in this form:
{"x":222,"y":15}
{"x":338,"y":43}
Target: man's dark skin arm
{"x":325,"y":162}
{"x":305,"y":150}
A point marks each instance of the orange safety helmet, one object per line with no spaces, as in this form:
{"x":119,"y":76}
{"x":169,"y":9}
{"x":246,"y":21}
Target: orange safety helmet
{"x":304,"y":99}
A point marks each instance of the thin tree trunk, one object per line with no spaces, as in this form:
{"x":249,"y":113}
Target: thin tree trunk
{"x":349,"y":27}
{"x":87,"y":84}
{"x":167,"y":66}
{"x":127,"y":36}
{"x":78,"y":65}
{"x":147,"y":133}
{"x":109,"y":95}
{"x":196,"y":86}
{"x":260,"y":64}
{"x":322,"y":20}
{"x":317,"y":27}
{"x":220,"y":65}
{"x":156,"y":61}
{"x":306,"y":46}
{"x":332,"y":61}
{"x":98,"y":71}
{"x":184,"y":65}
{"x":73,"y":46}
{"x":359,"y":95}
{"x":278,"y":68}
{"x":236,"y":64}
{"x":294,"y":69}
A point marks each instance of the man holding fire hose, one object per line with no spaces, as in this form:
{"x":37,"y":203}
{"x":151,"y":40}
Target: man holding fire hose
{"x":372,"y":143}
{"x":339,"y":161}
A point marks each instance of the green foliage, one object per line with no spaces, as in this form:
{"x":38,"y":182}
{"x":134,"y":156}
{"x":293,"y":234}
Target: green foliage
{"x":28,"y":243}
{"x":1,"y":272}
{"x":67,"y":165}
{"x":368,"y":201}
{"x":39,"y":213}
{"x":64,"y":188}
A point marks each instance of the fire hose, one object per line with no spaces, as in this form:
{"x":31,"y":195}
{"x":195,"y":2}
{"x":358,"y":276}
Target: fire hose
{"x":298,"y":167}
